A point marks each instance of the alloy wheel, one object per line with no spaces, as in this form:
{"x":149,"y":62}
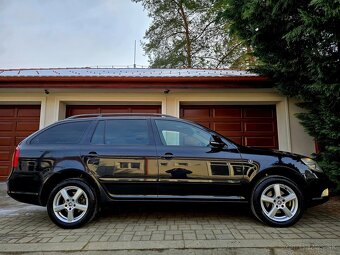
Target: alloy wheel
{"x":279,"y":202}
{"x":70,"y":204}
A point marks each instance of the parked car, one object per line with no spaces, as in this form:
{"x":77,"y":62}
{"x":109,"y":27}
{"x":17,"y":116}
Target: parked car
{"x":76,"y":165}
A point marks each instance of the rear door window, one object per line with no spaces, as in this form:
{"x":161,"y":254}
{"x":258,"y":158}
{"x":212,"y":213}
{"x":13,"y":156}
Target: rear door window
{"x":122,"y":132}
{"x":64,"y":133}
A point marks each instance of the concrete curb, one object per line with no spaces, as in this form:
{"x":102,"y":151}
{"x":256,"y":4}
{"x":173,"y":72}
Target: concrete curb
{"x":216,"y":251}
{"x":168,"y":245}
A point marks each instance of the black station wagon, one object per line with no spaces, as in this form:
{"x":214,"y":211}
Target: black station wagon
{"x":76,"y":165}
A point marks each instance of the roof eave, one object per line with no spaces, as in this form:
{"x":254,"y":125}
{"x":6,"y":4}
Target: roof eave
{"x":135,"y":82}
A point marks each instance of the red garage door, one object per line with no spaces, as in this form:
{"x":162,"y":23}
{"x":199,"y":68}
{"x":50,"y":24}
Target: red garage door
{"x":16,"y":122}
{"x":247,"y":125}
{"x":86,"y":109}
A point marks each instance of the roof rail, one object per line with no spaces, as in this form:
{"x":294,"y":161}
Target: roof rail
{"x":94,"y":115}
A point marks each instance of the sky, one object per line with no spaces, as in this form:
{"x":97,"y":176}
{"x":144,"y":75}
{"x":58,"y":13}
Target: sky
{"x":71,"y":33}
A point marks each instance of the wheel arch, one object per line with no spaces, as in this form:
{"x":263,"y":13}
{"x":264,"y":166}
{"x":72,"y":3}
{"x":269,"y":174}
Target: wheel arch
{"x":65,"y":174}
{"x":282,"y":171}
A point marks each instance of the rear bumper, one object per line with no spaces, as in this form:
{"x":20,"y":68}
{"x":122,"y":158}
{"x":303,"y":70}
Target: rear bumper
{"x":29,"y":198}
{"x":25,"y":187}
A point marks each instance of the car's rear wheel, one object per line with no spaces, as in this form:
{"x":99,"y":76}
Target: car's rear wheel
{"x":72,"y":203}
{"x":277,"y":201}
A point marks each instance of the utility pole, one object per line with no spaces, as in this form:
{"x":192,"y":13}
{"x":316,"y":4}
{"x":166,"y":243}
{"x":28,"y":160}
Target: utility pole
{"x":134,"y":57}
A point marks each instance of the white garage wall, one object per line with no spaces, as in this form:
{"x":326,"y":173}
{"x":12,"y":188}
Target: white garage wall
{"x":302,"y":143}
{"x":290,"y":133}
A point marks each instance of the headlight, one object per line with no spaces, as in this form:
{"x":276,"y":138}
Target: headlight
{"x":312,"y":165}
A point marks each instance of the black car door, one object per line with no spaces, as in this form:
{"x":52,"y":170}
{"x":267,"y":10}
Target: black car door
{"x":122,"y":156}
{"x":190,"y":167}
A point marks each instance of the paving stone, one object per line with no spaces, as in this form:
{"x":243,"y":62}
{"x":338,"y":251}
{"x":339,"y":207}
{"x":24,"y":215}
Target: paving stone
{"x":178,"y":237}
{"x":265,"y":236}
{"x":201,"y":237}
{"x":169,"y":237}
{"x":210,"y":237}
{"x":70,"y":239}
{"x":275,"y":236}
{"x":163,"y":227}
{"x":95,"y":238}
{"x":173,"y":227}
{"x":251,"y":236}
{"x":187,"y":236}
{"x":130,"y":228}
{"x":25,"y":239}
{"x":183,"y":227}
{"x":136,"y":238}
{"x":289,"y":236}
{"x":125,"y":237}
{"x":138,"y":228}
{"x":236,"y":234}
{"x":44,"y":240}
{"x":104,"y":238}
{"x":157,"y":237}
{"x":143,"y":233}
{"x":173,"y":232}
{"x":304,"y":236}
{"x":225,"y":231}
{"x":314,"y":235}
{"x":113,"y":238}
{"x":146,"y":238}
{"x":194,"y":227}
{"x":31,"y":230}
{"x":85,"y":238}
{"x":56,"y":239}
{"x":217,"y":231}
{"x":224,"y":236}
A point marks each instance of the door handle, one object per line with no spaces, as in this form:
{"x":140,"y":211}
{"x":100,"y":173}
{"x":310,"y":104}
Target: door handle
{"x":168,"y":156}
{"x":93,"y":161}
{"x":92,"y":158}
{"x":91,"y":154}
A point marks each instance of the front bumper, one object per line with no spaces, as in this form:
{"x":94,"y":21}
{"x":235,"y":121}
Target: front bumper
{"x":319,"y":200}
{"x":318,"y":189}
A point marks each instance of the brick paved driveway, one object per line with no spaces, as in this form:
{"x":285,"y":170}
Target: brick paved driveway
{"x":26,"y":228}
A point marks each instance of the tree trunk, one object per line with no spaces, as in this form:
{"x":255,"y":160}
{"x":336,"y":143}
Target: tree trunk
{"x":187,"y":34}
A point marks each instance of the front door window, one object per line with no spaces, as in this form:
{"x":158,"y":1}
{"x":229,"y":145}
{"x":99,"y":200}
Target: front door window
{"x":175,"y":133}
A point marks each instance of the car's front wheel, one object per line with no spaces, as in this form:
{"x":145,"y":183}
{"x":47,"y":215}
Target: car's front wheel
{"x":71,"y":204}
{"x":277,"y":201}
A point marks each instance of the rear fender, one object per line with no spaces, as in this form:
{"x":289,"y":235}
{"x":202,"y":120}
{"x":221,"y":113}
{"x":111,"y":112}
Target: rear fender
{"x":65,"y":174}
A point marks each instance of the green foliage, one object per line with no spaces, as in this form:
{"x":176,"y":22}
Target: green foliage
{"x":297,"y":45}
{"x":185,"y":33}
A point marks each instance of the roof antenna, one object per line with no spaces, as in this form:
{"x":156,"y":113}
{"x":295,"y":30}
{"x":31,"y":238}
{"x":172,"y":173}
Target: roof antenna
{"x":134,"y":56}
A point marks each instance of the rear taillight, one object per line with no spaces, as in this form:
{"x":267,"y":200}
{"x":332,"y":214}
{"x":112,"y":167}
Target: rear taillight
{"x":15,"y":158}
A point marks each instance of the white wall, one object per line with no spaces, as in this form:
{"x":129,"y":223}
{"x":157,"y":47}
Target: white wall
{"x":302,"y":143}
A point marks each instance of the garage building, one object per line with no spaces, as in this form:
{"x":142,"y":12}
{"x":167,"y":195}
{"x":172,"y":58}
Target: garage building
{"x":240,"y":105}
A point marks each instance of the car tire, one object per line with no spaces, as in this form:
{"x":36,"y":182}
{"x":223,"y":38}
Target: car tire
{"x":72,"y":203}
{"x":277,"y":201}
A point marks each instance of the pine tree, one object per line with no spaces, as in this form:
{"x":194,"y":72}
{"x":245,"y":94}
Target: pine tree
{"x":297,"y":45}
{"x":185,"y":33}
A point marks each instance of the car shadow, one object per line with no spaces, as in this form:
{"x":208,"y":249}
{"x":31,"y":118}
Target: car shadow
{"x":175,"y":208}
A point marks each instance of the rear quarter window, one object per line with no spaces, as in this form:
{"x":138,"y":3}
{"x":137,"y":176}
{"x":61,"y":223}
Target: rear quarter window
{"x":65,"y":133}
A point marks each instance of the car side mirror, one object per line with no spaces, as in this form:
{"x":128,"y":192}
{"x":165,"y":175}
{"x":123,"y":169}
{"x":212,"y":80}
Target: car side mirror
{"x":216,"y":142}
